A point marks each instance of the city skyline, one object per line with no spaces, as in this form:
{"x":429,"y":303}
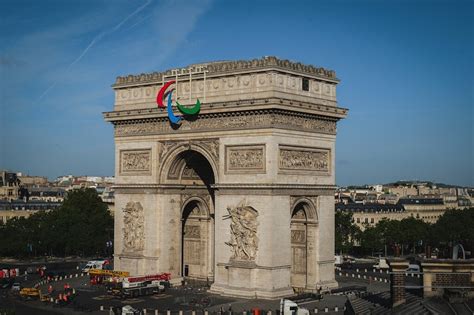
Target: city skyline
{"x":405,"y":70}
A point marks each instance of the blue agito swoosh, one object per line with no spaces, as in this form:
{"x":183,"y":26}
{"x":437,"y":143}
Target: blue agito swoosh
{"x":174,"y":119}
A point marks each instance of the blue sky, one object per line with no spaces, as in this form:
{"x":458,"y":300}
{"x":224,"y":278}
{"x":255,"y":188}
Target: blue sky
{"x":406,"y":70}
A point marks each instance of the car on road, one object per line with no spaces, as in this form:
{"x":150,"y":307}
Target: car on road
{"x":16,"y":286}
{"x":413,"y":268}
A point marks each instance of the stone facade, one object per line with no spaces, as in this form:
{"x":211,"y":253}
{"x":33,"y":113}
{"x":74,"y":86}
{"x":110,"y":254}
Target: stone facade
{"x":242,"y":195}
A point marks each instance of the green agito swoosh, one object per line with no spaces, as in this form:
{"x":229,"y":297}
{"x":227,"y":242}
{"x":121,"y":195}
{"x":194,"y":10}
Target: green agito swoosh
{"x":189,"y":110}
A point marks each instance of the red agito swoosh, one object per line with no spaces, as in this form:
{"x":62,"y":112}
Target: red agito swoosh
{"x":161,"y":93}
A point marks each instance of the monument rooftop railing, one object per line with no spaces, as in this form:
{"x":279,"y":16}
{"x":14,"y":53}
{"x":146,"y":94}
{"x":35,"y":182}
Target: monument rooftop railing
{"x":223,"y":68}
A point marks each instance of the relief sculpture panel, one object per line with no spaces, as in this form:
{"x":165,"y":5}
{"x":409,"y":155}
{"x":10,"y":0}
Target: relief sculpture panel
{"x":304,"y":159}
{"x":245,"y":159}
{"x":243,"y":228}
{"x":192,"y":231}
{"x":133,"y":227}
{"x":135,"y":161}
{"x":298,"y":237}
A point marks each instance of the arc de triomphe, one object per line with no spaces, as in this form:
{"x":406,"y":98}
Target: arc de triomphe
{"x":241,"y":194}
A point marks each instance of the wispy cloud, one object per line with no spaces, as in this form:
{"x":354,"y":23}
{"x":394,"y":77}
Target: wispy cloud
{"x":96,"y":39}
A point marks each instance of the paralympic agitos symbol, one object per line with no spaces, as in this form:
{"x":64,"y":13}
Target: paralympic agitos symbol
{"x":187,"y":111}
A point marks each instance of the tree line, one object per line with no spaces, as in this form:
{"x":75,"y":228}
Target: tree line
{"x":407,"y":236}
{"x":81,"y":226}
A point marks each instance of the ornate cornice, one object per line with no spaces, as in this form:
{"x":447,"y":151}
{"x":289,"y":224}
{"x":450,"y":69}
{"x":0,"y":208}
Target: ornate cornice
{"x":274,"y":189}
{"x":322,"y":107}
{"x":225,"y":67}
{"x":274,"y":186}
{"x":227,"y":186}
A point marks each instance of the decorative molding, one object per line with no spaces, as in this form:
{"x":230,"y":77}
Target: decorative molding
{"x":324,"y":107}
{"x":211,"y":146}
{"x":245,"y":158}
{"x":227,"y":121}
{"x":274,"y":189}
{"x":135,"y":162}
{"x":303,"y":198}
{"x":134,"y":227}
{"x":225,"y":67}
{"x":304,"y":159}
{"x":201,"y":198}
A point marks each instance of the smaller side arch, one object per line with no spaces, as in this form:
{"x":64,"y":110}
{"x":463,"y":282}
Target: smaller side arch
{"x":308,"y":206}
{"x":200,"y":202}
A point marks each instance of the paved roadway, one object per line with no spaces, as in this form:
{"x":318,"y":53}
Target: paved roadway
{"x":90,"y":298}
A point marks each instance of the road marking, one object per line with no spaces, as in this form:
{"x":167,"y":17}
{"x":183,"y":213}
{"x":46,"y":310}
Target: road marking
{"x":161,"y":296}
{"x":132,"y":301}
{"x":102,"y":297}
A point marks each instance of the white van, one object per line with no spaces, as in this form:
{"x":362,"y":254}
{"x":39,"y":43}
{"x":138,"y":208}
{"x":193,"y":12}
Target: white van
{"x":94,"y":264}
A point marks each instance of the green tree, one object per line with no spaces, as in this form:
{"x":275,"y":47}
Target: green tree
{"x":414,"y":233}
{"x":370,"y":240}
{"x":454,"y":227}
{"x":346,"y":232}
{"x":81,"y":226}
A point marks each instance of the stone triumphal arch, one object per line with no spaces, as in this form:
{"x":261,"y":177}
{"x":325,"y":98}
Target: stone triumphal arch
{"x":241,"y":194}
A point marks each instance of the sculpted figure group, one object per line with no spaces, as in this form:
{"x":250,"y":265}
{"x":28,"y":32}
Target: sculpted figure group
{"x":133,"y":227}
{"x":243,"y":227}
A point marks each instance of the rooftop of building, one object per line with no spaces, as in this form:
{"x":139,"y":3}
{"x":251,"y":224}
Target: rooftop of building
{"x":421,"y":201}
{"x":369,"y":207}
{"x":29,"y":202}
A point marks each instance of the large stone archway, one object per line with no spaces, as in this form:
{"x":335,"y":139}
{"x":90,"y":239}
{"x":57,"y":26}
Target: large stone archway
{"x":188,"y":177}
{"x":243,"y":193}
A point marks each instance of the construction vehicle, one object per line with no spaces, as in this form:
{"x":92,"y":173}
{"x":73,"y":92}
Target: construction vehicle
{"x":30,"y":293}
{"x":99,"y":276}
{"x":139,"y":286}
{"x":288,"y":307}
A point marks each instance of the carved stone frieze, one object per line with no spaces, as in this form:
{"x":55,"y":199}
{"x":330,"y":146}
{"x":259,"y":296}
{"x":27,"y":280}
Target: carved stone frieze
{"x":189,"y":173}
{"x":192,"y":231}
{"x":227,"y":121}
{"x":304,"y":159}
{"x":245,"y":158}
{"x":135,"y":161}
{"x":298,"y":236}
{"x":165,"y":147}
{"x":243,"y":230}
{"x":133,"y":227}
